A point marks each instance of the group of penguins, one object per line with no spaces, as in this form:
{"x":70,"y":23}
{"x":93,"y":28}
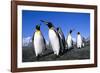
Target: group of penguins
{"x":56,"y":40}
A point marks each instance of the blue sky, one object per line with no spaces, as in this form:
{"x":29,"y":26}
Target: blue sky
{"x":66,"y":20}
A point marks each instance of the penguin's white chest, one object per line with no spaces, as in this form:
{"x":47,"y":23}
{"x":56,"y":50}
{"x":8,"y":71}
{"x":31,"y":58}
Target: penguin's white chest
{"x":79,"y":41}
{"x":38,"y":43}
{"x":54,"y":40}
{"x":69,"y":41}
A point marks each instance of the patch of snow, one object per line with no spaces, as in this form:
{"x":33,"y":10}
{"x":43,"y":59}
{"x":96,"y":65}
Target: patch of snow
{"x":26,"y":41}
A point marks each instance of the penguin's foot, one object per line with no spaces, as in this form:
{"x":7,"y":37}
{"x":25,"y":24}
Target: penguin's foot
{"x":38,"y":58}
{"x":65,"y":50}
{"x":62,"y":52}
{"x":57,"y":56}
{"x":79,"y":47}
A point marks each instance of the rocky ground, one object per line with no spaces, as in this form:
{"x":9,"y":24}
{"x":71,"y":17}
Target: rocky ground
{"x":72,"y":54}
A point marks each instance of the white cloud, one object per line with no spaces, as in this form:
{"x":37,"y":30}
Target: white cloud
{"x":26,"y":41}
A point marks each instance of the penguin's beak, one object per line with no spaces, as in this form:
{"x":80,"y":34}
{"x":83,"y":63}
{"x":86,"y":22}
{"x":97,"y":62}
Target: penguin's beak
{"x":49,"y":24}
{"x":45,"y":22}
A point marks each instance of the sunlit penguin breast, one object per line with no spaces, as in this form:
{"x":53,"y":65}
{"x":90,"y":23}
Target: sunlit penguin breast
{"x":69,"y":41}
{"x":79,"y":41}
{"x":38,"y":43}
{"x":54,"y":40}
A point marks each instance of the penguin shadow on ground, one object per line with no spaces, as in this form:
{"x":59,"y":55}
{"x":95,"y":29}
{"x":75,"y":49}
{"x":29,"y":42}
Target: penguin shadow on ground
{"x":49,"y":55}
{"x":67,"y":50}
{"x":44,"y":56}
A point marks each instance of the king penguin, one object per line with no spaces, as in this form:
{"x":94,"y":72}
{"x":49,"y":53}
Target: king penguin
{"x":62,"y":39}
{"x":38,"y":42}
{"x":53,"y":38}
{"x":69,"y":40}
{"x":80,"y":43}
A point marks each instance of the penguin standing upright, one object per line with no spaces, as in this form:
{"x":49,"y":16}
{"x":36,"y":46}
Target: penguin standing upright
{"x":62,"y":39}
{"x":79,"y":40}
{"x":69,"y":40}
{"x":38,"y":41}
{"x":53,"y":38}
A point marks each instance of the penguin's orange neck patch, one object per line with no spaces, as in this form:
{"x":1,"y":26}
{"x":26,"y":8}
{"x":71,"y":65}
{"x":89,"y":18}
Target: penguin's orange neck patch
{"x":37,"y":31}
{"x":51,"y":28}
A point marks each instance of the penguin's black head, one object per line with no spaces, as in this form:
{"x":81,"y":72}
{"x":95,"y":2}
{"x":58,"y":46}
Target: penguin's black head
{"x":49,"y":24}
{"x":78,"y":33}
{"x":70,"y":31}
{"x":37,"y":27}
{"x":58,"y":29}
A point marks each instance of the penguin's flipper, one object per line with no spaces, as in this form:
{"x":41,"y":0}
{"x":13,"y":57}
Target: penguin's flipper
{"x":63,"y":38}
{"x":44,"y":42}
{"x":33,"y":36}
{"x":33,"y":39}
{"x":64,"y":43}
